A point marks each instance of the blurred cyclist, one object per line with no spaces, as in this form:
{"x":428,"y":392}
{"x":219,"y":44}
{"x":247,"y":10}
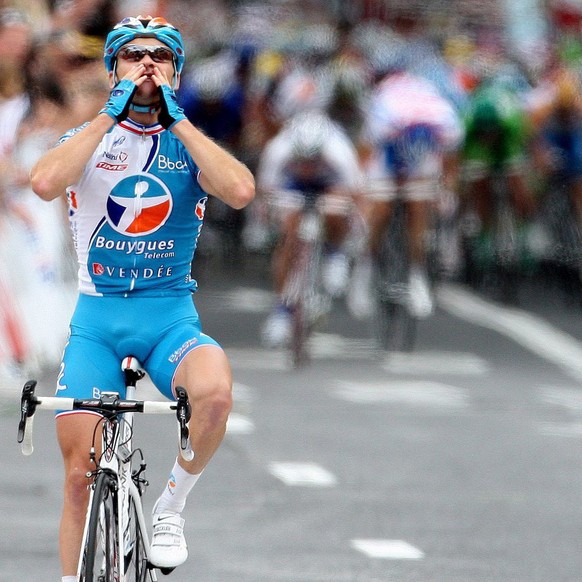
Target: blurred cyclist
{"x":558,"y":143}
{"x":411,"y":130}
{"x":496,"y":141}
{"x":310,"y":156}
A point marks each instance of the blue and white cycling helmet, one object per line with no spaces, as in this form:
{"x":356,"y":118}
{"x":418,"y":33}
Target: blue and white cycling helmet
{"x":143,"y":27}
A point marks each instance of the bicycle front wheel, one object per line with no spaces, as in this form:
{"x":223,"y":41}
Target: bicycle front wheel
{"x":100,"y":561}
{"x":395,"y":327}
{"x":136,"y":563}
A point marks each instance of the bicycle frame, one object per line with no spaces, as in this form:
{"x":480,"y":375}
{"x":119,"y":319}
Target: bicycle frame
{"x":303,"y":293}
{"x":116,"y":456}
{"x":117,"y":451}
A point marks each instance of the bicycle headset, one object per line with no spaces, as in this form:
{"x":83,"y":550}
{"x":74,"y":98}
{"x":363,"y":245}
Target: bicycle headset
{"x":131,"y":28}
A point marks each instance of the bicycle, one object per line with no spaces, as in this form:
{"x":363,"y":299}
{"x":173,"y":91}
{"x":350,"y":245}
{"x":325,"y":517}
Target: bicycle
{"x":115,"y":544}
{"x":560,"y":257}
{"x":493,"y":257}
{"x":395,"y":327}
{"x":304,"y":293}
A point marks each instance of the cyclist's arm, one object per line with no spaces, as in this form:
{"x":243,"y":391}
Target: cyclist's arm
{"x":221,"y":174}
{"x":64,"y":165}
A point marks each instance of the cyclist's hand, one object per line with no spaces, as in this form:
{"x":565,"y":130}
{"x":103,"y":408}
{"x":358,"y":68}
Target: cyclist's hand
{"x":170,"y":112}
{"x":117,"y":107}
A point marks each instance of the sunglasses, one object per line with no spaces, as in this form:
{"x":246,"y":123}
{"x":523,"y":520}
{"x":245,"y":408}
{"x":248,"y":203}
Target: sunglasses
{"x":134,"y":53}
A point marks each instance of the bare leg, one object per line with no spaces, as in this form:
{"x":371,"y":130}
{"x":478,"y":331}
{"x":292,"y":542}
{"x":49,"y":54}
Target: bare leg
{"x":205,"y":374}
{"x":418,"y":217}
{"x":285,"y":252}
{"x":74,"y":433}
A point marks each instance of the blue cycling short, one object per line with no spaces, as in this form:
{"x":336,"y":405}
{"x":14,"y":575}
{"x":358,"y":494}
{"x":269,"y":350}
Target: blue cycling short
{"x":158,"y":331}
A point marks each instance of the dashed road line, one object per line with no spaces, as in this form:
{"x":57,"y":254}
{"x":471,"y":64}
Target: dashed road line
{"x":387,"y":549}
{"x":302,"y":474}
{"x":239,"y":424}
{"x":434,"y":395}
{"x":436,"y":362}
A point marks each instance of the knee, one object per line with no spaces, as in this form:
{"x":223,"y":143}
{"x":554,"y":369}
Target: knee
{"x":213,"y":409}
{"x":77,"y":487}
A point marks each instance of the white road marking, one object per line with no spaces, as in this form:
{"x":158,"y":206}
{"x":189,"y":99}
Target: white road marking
{"x":239,"y":424}
{"x":435,"y":362}
{"x":330,"y":345}
{"x":411,"y":393}
{"x":568,"y":398}
{"x":302,"y":474}
{"x":532,"y":332}
{"x":387,"y":549}
{"x":249,"y":300}
{"x":561,"y":429}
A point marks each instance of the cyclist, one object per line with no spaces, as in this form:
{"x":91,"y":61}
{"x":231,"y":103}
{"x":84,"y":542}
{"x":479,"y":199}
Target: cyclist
{"x":496,"y":143}
{"x":410,"y":133}
{"x":558,"y":143}
{"x":137,"y":178}
{"x":311,"y":155}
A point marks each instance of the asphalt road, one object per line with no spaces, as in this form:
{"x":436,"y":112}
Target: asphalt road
{"x":459,"y":462}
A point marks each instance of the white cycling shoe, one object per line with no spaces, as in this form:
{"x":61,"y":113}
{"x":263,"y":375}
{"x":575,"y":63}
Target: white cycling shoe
{"x":168,"y":548}
{"x":420,"y":300}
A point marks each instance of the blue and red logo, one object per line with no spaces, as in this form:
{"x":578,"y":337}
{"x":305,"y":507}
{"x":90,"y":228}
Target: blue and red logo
{"x":139,"y":205}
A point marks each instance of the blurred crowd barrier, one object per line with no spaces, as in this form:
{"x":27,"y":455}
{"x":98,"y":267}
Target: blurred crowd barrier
{"x":250,"y":66}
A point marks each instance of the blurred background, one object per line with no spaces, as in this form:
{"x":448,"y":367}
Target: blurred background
{"x":250,"y":67}
{"x":455,"y":461}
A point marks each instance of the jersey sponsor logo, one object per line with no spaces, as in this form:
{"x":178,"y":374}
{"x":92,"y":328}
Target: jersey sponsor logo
{"x":99,"y":270}
{"x":119,"y":157}
{"x":166,"y":164}
{"x":139,"y":205}
{"x":182,"y":350}
{"x":200,"y":208}
{"x":151,"y":249}
{"x":73,"y":206}
{"x":111,"y":167}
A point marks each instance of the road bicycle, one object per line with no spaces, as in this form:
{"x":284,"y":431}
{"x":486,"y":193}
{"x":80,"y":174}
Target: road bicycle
{"x":305,"y":295}
{"x":115,"y":546}
{"x":492,"y":255}
{"x":395,"y":326}
{"x":560,"y":248}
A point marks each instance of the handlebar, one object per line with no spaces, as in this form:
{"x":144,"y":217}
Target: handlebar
{"x":109,"y":404}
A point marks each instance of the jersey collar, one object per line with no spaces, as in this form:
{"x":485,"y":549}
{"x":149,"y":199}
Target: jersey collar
{"x":130,"y":125}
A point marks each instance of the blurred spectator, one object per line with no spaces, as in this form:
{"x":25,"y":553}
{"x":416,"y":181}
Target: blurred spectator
{"x":15,"y":39}
{"x":43,"y":241}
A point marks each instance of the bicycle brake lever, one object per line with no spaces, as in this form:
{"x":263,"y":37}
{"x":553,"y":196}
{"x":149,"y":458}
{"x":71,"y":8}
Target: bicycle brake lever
{"x":183,"y":414}
{"x":27,"y":407}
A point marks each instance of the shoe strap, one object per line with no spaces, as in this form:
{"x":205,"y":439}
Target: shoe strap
{"x":170,"y":523}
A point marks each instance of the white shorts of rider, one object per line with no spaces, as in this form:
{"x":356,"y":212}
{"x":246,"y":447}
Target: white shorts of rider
{"x":285,"y":202}
{"x":413,"y":190}
{"x":476,"y":170}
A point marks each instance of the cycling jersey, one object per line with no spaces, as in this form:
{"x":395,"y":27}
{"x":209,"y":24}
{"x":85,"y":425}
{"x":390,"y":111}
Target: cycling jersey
{"x":338,"y":164}
{"x":404,"y":100}
{"x":410,"y":126}
{"x":496,"y":131}
{"x":136,"y":214}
